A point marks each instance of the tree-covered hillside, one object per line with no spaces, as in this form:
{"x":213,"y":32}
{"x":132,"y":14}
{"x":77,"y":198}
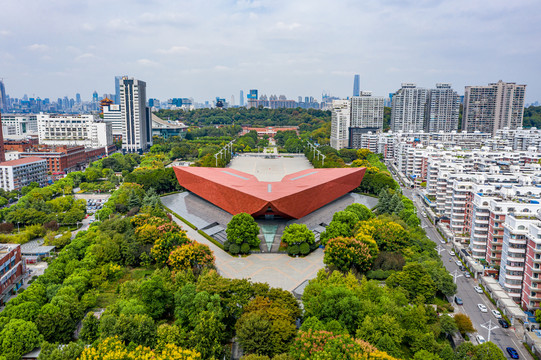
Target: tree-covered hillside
{"x":532,"y":117}
{"x":306,"y":120}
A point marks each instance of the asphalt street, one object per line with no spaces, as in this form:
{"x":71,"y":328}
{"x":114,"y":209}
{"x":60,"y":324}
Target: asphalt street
{"x":503,"y":338}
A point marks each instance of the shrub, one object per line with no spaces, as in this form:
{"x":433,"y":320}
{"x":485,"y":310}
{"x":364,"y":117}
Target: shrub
{"x":245,"y":248}
{"x":304,"y":248}
{"x":293,"y":250}
{"x":51,"y":225}
{"x":6,"y":228}
{"x":379,"y":274}
{"x":234,"y":249}
{"x":226,"y":245}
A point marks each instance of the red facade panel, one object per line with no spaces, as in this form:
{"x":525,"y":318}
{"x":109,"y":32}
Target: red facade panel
{"x":295,"y":196}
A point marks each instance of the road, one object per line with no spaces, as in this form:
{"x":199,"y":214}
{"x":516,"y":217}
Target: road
{"x":503,"y":338}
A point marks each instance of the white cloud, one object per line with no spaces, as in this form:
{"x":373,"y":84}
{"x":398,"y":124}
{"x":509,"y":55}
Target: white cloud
{"x":85,"y":56}
{"x":280,"y":25}
{"x":38,"y":47}
{"x":174,"y":50}
{"x":147,"y":62}
{"x":5,"y":32}
{"x":221,"y":68}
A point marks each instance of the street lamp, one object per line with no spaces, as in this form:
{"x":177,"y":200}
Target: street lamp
{"x":489,"y":327}
{"x":456,"y":275}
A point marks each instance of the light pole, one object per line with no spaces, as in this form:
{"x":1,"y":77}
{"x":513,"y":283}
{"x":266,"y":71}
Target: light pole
{"x":18,"y":229}
{"x":456,"y":275}
{"x":489,"y":327}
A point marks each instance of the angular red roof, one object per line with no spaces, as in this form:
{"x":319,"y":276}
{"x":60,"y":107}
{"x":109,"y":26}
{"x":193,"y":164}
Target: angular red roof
{"x":295,"y":196}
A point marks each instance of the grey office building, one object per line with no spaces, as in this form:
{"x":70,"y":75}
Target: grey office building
{"x":136,"y":116}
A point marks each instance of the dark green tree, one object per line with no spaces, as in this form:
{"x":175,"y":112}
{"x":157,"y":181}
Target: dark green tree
{"x":18,"y":337}
{"x":415,"y":280}
{"x":362,"y":212}
{"x":298,"y":234}
{"x":243,"y":229}
{"x":90,"y":330}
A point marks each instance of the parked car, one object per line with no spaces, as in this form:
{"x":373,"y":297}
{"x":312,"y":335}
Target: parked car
{"x":496,"y":314}
{"x":503,"y":323}
{"x":442,"y":241}
{"x":462,"y":268}
{"x":512,"y":352}
{"x":482,"y":307}
{"x":458,"y":263}
{"x":452,"y":253}
{"x":467,"y":274}
{"x":478,"y":289}
{"x":480,"y":339}
{"x":458,"y":301}
{"x":424,"y":214}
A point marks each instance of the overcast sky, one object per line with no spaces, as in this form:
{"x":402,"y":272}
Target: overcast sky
{"x":203,"y":49}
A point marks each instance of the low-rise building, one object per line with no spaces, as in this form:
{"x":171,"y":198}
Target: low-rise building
{"x":11,"y":271}
{"x":16,"y":174}
{"x":74,"y":130}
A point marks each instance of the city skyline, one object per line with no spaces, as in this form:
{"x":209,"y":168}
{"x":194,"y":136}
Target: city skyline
{"x":204,"y":51}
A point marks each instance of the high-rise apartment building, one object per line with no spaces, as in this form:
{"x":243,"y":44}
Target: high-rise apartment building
{"x":408,"y":108}
{"x":241,"y":101}
{"x":442,"y":109}
{"x":493,"y":107}
{"x":366,"y":116}
{"x":136,"y":117}
{"x":340,"y":121}
{"x":357,"y":85}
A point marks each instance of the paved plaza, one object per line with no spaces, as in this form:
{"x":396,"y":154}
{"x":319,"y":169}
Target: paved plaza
{"x":265,"y":168}
{"x":278,"y":270}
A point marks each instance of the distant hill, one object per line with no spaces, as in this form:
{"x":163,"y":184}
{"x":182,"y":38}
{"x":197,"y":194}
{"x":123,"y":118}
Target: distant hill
{"x":532,"y":117}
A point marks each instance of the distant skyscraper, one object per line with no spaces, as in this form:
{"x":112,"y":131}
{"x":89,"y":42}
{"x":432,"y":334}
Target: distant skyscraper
{"x":118,"y":80}
{"x":232,"y":101}
{"x":340,"y":121}
{"x":136,"y":116}
{"x":78,"y":98}
{"x":2,"y":150}
{"x":442,"y":109}
{"x":95,"y":96}
{"x":3,"y":99}
{"x":356,"y":85}
{"x":493,"y":107}
{"x":252,"y":98}
{"x":408,"y":108}
{"x":241,"y":101}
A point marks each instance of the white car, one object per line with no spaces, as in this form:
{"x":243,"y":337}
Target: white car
{"x":424,"y":214}
{"x":442,"y":241}
{"x":458,"y":263}
{"x":452,"y":253}
{"x":467,"y":274}
{"x":496,"y":314}
{"x":480,"y":339}
{"x":482,"y":307}
{"x":478,"y":289}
